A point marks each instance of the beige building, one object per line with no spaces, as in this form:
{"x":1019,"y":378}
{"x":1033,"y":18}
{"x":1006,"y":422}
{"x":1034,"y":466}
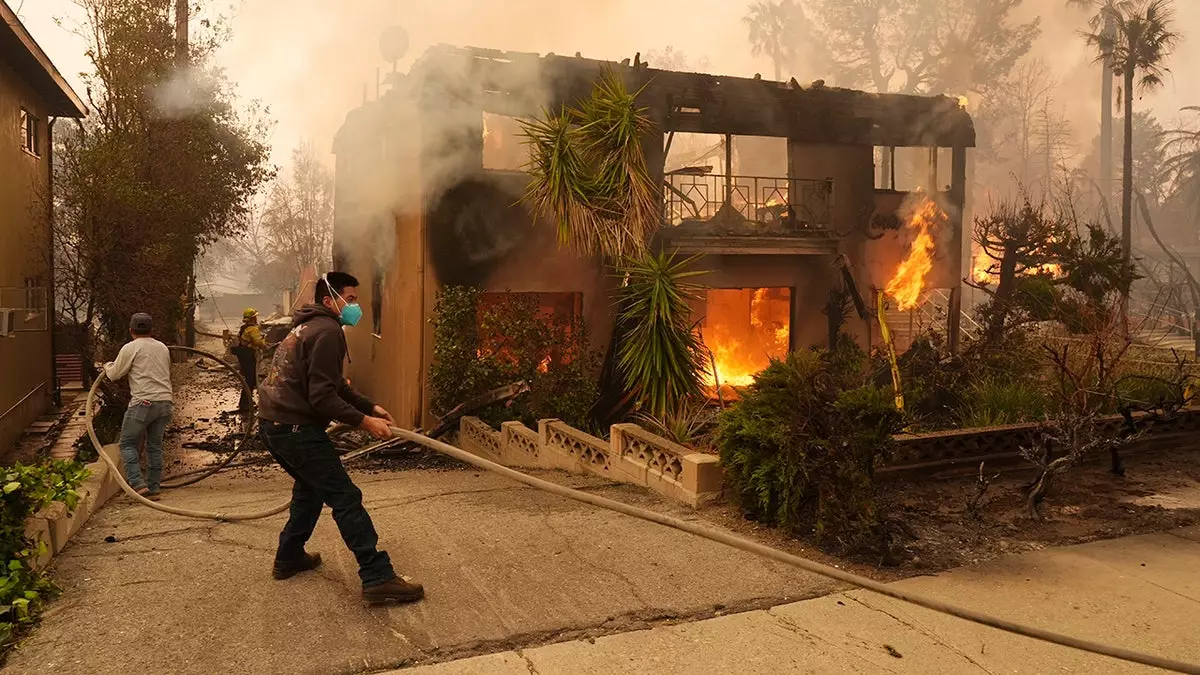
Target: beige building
{"x":32,"y":95}
{"x":786,"y":192}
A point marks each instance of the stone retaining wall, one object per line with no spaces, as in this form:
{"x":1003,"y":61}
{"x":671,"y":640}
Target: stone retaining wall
{"x":634,"y":456}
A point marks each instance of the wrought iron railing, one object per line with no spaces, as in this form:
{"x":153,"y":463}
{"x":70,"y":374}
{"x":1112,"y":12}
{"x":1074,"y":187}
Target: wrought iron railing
{"x":792,"y":202}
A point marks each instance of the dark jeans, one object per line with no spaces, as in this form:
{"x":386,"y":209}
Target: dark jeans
{"x":308,"y":455}
{"x":249,"y":366}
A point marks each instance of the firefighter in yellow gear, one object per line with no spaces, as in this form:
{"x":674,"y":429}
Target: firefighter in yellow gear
{"x":246,"y":347}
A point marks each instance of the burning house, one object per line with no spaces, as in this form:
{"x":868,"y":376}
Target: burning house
{"x":785,"y":192}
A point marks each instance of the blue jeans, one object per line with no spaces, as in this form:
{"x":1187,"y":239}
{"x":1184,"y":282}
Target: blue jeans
{"x":310,"y":458}
{"x":151,"y":417}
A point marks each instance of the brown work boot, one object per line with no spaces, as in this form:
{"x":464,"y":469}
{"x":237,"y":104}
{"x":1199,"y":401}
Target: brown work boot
{"x":287,"y":570}
{"x":397,"y":590}
{"x":152,"y":496}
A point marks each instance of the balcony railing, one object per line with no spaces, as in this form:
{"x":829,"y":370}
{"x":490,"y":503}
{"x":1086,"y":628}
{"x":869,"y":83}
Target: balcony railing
{"x":799,"y":204}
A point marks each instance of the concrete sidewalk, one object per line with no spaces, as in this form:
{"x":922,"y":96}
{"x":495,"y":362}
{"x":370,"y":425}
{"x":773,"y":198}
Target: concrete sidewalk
{"x":1141,"y":593}
{"x":504,"y":566}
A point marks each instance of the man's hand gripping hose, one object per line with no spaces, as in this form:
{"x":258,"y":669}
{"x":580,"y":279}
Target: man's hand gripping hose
{"x":675,"y":523}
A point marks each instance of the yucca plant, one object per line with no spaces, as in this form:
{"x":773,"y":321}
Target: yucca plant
{"x":661,"y":354}
{"x":693,"y":423}
{"x":589,"y":173}
{"x":589,"y":176}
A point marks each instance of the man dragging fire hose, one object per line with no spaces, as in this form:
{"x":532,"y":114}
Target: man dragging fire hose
{"x":304,"y":391}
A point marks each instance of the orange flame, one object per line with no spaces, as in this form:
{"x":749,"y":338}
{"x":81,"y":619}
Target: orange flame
{"x":981,"y":269}
{"x":744,"y":329}
{"x":908,"y":284}
{"x":981,"y":266}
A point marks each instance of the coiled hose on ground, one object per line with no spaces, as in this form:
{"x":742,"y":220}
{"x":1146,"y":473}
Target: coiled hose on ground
{"x":675,"y":523}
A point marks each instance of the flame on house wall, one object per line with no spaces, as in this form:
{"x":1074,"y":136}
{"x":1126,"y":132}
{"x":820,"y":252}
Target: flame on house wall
{"x":744,"y":329}
{"x":908,"y":283}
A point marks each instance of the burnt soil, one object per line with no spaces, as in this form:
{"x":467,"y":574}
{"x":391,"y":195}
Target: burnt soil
{"x":933,"y":530}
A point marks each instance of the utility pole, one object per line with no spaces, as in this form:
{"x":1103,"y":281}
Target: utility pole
{"x":182,"y":61}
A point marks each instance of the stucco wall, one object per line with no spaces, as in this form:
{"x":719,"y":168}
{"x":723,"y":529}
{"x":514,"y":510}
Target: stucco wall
{"x":852,"y":168}
{"x":24,"y":238}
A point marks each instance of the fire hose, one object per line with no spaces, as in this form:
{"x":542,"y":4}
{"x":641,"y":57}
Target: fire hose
{"x":727,"y":539}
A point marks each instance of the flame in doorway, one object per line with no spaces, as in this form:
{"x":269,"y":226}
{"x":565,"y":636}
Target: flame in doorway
{"x":909,"y":282}
{"x":744,"y":329}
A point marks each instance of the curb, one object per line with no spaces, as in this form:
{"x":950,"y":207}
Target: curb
{"x":55,"y":527}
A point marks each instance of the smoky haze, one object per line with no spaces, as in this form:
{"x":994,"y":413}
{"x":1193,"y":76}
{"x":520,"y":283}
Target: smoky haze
{"x":310,"y":60}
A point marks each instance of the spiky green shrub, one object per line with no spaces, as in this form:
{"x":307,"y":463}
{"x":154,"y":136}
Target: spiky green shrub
{"x":588,"y":173}
{"x":661,"y":354}
{"x":801,"y":445}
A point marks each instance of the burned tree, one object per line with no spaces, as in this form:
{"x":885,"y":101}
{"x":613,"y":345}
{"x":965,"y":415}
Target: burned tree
{"x":1021,"y":242}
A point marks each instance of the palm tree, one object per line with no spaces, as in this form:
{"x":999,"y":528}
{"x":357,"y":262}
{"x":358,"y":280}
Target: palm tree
{"x":1102,"y":23}
{"x":588,"y":174}
{"x":1139,"y":45}
{"x":1182,"y":168}
{"x":772,"y":25}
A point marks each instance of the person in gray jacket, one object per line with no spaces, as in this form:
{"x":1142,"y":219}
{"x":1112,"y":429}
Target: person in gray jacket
{"x":147,"y":363}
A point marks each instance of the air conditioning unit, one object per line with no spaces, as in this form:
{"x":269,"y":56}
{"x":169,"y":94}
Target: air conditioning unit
{"x":8,"y":322}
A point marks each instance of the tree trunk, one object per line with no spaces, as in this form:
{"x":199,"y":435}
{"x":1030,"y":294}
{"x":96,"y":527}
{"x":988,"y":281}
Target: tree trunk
{"x":1106,"y":118}
{"x":1005,"y":290}
{"x":1127,"y":191}
{"x":189,"y":319}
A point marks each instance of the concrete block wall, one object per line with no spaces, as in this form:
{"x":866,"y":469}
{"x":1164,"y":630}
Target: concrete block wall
{"x":55,"y":526}
{"x":634,"y":456}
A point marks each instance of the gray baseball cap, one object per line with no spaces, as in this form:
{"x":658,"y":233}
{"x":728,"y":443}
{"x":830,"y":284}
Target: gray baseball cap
{"x":140,"y":323}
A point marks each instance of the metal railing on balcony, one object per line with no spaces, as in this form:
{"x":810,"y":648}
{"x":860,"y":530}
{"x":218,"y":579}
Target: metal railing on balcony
{"x":800,"y":204}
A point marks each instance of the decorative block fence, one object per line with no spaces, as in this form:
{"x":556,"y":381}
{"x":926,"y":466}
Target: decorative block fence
{"x":638,"y":457}
{"x":634,"y":456}
{"x":969,"y":447}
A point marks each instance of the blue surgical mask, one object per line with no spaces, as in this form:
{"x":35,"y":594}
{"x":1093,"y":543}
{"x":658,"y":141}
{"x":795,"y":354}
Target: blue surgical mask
{"x":351,"y":315}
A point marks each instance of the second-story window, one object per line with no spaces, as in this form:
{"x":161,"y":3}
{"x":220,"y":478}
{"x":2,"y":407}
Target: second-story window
{"x":31,"y":141}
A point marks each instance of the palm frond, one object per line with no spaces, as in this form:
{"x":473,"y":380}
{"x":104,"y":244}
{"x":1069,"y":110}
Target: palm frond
{"x":589,"y":172}
{"x":662,"y":356}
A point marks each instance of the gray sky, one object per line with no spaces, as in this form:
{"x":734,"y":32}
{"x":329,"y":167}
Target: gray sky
{"x":309,"y":59}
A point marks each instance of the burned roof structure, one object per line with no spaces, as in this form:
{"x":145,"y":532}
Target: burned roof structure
{"x":520,"y":84}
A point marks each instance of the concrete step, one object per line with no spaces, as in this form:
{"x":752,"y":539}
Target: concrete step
{"x":40,"y":428}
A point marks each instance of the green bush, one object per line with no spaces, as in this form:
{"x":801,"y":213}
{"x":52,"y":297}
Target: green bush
{"x":994,"y":401}
{"x":800,"y":446}
{"x":27,"y":490}
{"x":479,"y":347}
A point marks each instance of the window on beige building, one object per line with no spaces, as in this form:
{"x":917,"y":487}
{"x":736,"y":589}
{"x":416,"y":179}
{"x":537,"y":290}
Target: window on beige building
{"x":31,"y":141}
{"x":35,"y":295}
